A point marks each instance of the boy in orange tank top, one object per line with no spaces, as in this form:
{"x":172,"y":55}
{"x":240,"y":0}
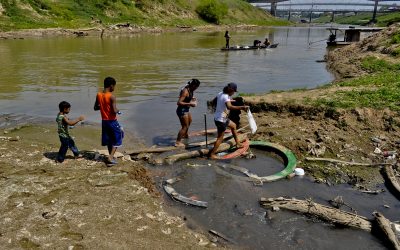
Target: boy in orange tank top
{"x":112,"y":133}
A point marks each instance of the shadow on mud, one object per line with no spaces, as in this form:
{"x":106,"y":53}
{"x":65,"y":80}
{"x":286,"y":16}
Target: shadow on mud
{"x":84,"y":154}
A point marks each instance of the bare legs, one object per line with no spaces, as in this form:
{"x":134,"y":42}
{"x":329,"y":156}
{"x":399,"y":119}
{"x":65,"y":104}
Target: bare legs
{"x":185,"y":120}
{"x":220,"y":138}
{"x":111,"y":152}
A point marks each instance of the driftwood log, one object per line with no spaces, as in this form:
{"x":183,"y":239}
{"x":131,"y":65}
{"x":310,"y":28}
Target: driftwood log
{"x":346,"y":162}
{"x":386,"y":230}
{"x":391,"y":177}
{"x":172,"y":148}
{"x":323,"y":212}
{"x":201,"y":152}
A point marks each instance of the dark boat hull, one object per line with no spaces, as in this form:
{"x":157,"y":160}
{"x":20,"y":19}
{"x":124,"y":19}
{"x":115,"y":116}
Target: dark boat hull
{"x":334,"y":44}
{"x":272,"y":46}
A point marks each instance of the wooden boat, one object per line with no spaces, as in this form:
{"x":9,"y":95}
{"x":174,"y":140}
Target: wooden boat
{"x":235,"y":48}
{"x":351,"y":35}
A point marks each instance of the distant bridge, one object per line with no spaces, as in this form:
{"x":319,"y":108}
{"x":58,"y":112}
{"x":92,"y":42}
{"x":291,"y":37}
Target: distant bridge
{"x":314,"y":6}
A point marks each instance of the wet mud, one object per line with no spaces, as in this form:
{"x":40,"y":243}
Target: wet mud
{"x":79,"y":204}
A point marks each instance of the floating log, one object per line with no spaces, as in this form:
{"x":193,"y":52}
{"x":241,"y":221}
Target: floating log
{"x":323,"y":212}
{"x":346,"y":162}
{"x":196,"y":153}
{"x":391,"y":177}
{"x":386,"y":230}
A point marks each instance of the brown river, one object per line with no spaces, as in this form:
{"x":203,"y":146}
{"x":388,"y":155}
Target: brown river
{"x":36,"y":74}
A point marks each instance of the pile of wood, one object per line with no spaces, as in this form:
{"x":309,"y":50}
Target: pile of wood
{"x":380,"y":226}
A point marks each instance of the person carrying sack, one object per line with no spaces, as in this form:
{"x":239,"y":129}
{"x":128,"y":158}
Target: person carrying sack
{"x":221,"y":119}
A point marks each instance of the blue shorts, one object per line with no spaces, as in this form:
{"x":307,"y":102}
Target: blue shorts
{"x":181,"y":111}
{"x":111,"y":134}
{"x":221,"y":126}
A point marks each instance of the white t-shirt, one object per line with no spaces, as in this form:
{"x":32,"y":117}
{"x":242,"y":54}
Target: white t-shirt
{"x":221,"y":111}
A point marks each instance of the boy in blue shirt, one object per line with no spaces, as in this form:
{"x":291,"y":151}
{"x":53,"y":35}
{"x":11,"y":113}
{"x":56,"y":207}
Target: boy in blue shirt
{"x":63,"y":123}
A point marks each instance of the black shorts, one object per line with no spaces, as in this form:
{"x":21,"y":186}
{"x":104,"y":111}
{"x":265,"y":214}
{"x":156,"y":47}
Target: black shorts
{"x":221,"y":126}
{"x":181,"y":111}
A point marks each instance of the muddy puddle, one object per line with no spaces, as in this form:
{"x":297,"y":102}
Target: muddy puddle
{"x":234,"y":212}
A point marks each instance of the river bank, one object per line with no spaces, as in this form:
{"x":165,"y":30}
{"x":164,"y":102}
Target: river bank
{"x":124,"y":29}
{"x":354,"y":119}
{"x":79,"y":204}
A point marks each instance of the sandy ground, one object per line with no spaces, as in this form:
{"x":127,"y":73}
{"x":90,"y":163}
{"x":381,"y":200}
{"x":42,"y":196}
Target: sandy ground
{"x":116,"y":30}
{"x":80,"y":204}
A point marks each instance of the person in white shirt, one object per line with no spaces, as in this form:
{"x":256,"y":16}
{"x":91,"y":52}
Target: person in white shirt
{"x":221,"y":119}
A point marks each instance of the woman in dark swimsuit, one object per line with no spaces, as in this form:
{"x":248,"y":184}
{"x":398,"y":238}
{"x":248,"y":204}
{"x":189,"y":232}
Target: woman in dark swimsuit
{"x":186,"y":100}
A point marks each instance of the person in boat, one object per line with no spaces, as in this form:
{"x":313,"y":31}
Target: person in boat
{"x":332,"y":38}
{"x":266,"y":42}
{"x":224,"y":105}
{"x":185,"y":101}
{"x":256,"y":43}
{"x":227,"y":37}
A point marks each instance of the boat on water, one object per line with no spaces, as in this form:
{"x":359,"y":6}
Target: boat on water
{"x":234,"y":48}
{"x":351,"y":35}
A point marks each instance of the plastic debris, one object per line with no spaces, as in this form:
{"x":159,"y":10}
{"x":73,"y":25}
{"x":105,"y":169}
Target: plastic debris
{"x":299,"y":171}
{"x":377,"y":151}
{"x":389,"y":153}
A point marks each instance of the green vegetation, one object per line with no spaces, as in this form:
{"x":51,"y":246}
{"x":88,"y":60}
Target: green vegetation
{"x":212,"y":11}
{"x":25,"y":14}
{"x":383,"y":19}
{"x":380,"y":89}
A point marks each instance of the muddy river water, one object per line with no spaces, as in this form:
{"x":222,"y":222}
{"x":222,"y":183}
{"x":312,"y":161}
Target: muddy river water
{"x":36,"y":74}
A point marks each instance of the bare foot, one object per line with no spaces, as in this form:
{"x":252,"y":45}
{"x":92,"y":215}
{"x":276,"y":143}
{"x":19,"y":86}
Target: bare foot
{"x":213,"y":157}
{"x":179,"y":144}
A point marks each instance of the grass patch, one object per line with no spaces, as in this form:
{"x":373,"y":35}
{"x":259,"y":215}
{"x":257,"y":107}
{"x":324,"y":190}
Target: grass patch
{"x":378,"y":90}
{"x":27,"y":14}
{"x":373,"y":64}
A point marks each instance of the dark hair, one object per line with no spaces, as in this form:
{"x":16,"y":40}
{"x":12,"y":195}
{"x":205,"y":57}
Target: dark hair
{"x":194,"y":82}
{"x":229,"y":87}
{"x":108,"y":81}
{"x":63,"y":105}
{"x":225,"y":89}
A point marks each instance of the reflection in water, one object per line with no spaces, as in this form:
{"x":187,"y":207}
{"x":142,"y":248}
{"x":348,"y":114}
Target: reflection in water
{"x":147,"y":65}
{"x":150,"y":68}
{"x":233,"y":208}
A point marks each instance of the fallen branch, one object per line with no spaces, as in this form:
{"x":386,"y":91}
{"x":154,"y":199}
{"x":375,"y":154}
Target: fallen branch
{"x":196,"y":153}
{"x":323,"y":212}
{"x":222,"y":236}
{"x":172,"y":148}
{"x":386,"y":230}
{"x":347,"y":162}
{"x":203,"y":143}
{"x":391,"y":177}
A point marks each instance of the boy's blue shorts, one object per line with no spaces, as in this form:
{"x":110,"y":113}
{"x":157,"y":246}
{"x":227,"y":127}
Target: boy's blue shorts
{"x":112,"y":133}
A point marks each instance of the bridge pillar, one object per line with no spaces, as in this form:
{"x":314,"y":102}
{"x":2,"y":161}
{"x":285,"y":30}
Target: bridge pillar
{"x":273,"y":8}
{"x":373,"y":20}
{"x":333,"y":17}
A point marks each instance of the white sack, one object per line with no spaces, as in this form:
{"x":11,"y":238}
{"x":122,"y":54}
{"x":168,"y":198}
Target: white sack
{"x":252,"y":122}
